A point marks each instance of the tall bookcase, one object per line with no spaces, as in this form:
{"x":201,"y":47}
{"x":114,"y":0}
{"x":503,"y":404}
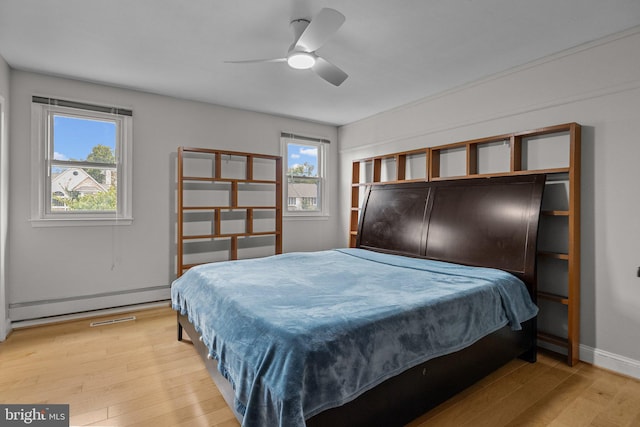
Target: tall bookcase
{"x":554,"y":151}
{"x":229,"y":206}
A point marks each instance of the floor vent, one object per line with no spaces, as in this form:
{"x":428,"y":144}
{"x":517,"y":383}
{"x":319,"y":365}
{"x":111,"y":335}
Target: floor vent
{"x":112,"y":321}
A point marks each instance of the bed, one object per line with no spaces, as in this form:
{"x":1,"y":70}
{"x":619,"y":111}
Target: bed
{"x":438,"y":293}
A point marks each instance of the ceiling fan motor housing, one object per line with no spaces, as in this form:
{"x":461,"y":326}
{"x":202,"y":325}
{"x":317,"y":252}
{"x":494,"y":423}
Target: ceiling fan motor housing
{"x":298,"y":26}
{"x":298,"y":57}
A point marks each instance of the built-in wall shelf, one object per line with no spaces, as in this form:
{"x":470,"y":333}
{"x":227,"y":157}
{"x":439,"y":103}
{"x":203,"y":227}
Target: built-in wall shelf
{"x":552,"y":150}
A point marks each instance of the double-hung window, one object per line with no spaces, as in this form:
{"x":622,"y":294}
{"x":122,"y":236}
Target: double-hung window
{"x":81,"y":163}
{"x":305,"y":175}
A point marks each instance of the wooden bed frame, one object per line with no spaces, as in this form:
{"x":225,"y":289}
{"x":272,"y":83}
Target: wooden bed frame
{"x":487,"y":222}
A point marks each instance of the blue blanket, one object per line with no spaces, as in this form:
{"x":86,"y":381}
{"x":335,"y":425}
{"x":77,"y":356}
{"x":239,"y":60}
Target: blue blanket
{"x":299,"y":333}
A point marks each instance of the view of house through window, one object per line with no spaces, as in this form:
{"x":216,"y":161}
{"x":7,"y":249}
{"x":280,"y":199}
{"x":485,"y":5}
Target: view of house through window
{"x":83,"y":169}
{"x":304,"y":178}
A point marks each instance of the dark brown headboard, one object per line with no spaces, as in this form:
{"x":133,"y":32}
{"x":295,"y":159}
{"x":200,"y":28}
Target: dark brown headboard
{"x":486,"y":222}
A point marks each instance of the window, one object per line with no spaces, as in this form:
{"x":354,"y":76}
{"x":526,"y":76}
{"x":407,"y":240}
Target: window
{"x":304,"y":174}
{"x":81,"y":163}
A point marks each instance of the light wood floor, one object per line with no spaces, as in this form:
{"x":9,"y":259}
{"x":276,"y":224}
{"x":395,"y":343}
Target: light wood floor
{"x":137,"y":373}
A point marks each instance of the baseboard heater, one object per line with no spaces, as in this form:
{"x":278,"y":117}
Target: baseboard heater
{"x":43,"y":309}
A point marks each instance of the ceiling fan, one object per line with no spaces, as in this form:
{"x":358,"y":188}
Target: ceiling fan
{"x":309,"y":36}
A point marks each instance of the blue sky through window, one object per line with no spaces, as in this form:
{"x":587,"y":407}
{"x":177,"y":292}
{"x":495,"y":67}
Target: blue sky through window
{"x":74,"y":138}
{"x":299,"y":154}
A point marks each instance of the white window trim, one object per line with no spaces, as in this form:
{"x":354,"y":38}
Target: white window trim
{"x":323,"y":155}
{"x":39,"y":175}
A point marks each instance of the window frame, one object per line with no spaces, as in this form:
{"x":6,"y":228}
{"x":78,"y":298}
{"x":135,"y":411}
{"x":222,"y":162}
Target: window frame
{"x":41,"y":161}
{"x":322,"y":146}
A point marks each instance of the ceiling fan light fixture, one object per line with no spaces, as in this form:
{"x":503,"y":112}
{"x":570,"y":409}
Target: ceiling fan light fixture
{"x":301,"y":60}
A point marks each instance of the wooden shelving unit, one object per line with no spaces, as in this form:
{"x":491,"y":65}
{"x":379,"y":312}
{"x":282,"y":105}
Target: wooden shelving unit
{"x":212,"y":172}
{"x":517,"y":153}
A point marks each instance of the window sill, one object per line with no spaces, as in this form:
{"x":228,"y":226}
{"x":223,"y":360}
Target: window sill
{"x":79,"y":222}
{"x":305,"y":217}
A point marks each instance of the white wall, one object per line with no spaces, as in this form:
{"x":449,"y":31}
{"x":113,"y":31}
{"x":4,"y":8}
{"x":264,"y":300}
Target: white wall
{"x":4,"y":190}
{"x":64,"y":264}
{"x":596,"y":85}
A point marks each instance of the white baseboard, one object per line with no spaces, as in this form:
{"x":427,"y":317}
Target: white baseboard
{"x":601,"y":358}
{"x":610,"y":361}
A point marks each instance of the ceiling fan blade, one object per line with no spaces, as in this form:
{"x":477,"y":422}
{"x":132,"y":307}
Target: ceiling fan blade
{"x":252,"y":61}
{"x":329,"y":72}
{"x":323,"y":25}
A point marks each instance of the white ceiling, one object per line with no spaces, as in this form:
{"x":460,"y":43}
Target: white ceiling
{"x":395,"y":52}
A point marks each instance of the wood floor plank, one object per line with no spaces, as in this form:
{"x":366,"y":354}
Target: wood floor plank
{"x":622,"y":409}
{"x":198,"y":388}
{"x":219,"y":418}
{"x":88,"y":417}
{"x":561,"y":401}
{"x":503,"y":412}
{"x":581,"y":412}
{"x":137,"y":374}
{"x":185,"y":414}
{"x":124,"y":392}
